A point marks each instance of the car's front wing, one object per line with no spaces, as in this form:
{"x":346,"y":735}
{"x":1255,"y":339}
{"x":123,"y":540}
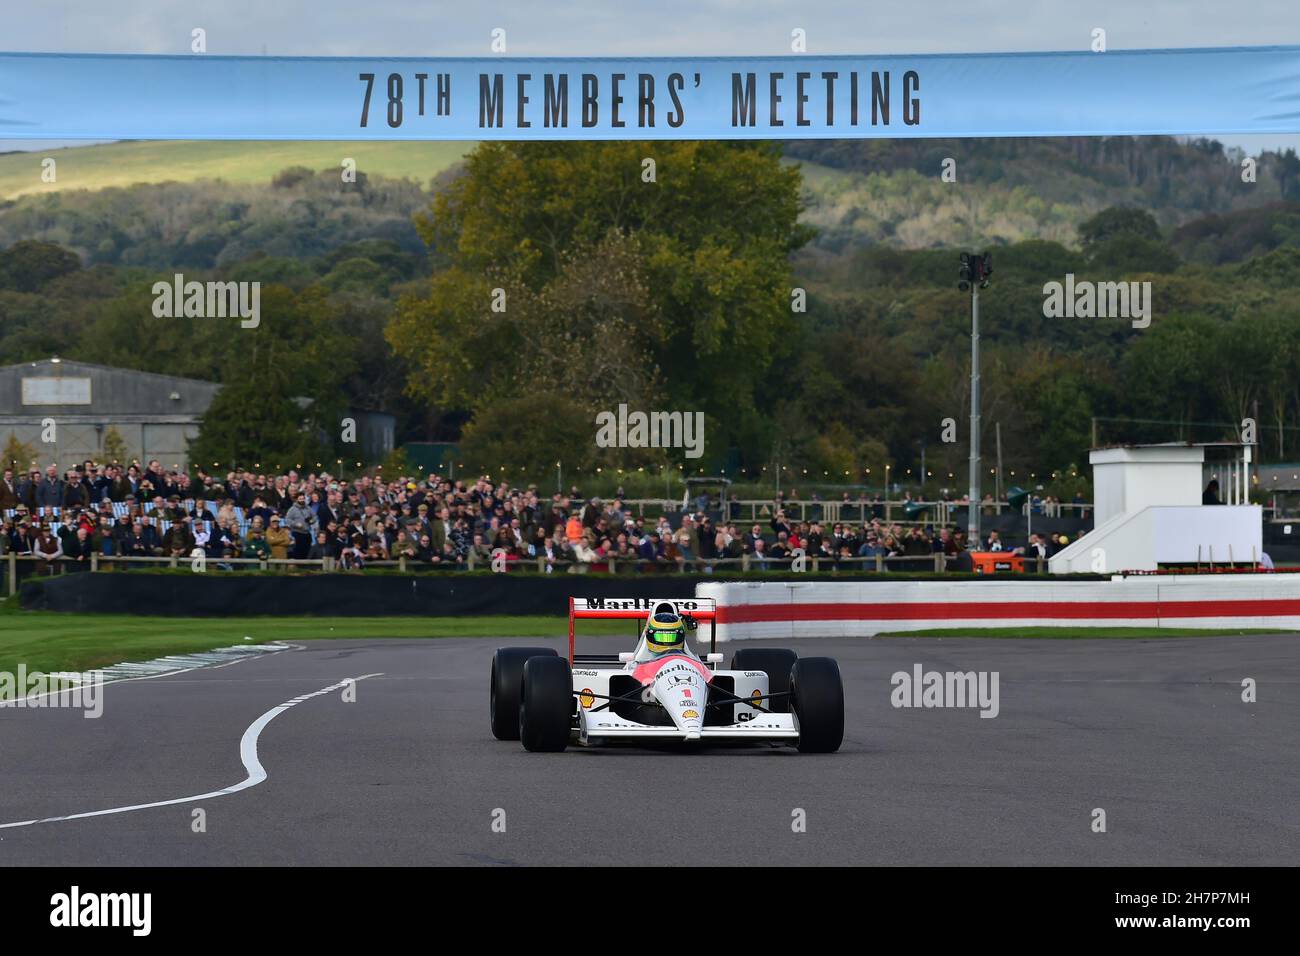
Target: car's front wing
{"x":605,"y":724}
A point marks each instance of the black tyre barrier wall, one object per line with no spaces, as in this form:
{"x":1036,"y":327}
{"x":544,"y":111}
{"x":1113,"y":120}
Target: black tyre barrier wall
{"x":343,"y":595}
{"x":354,"y":595}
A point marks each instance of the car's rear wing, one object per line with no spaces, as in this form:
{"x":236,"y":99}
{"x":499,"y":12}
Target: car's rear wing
{"x":638,"y":610}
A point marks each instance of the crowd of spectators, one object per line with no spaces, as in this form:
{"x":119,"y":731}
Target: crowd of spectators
{"x":134,"y":511}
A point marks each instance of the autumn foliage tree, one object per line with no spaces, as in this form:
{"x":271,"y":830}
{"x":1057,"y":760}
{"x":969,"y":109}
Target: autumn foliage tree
{"x":614,"y":285}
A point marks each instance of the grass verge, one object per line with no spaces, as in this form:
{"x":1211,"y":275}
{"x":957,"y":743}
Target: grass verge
{"x":51,"y":641}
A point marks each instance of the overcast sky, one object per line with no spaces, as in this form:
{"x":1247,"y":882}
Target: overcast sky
{"x":659,"y":28}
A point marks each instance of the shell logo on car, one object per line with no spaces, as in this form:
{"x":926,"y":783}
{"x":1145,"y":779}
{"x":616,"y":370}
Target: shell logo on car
{"x":690,"y":715}
{"x":586,"y":697}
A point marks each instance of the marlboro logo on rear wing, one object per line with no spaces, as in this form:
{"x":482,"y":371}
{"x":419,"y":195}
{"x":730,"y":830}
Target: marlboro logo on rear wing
{"x":701,"y":609}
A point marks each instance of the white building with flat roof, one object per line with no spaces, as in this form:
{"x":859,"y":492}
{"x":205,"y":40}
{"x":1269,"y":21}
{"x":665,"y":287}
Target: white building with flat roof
{"x":1150,"y":511}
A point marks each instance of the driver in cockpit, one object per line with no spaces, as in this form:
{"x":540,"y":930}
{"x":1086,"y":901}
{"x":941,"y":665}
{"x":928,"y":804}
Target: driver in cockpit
{"x":665,"y":633}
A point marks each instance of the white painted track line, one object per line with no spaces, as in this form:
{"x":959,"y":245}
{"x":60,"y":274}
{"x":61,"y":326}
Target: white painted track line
{"x":247,"y":754}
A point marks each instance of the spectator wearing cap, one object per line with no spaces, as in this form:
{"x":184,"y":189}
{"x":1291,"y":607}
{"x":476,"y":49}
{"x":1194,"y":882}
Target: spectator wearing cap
{"x":27,"y":489}
{"x":178,"y":542}
{"x":22,"y":536}
{"x":48,"y":548}
{"x":646,"y":550}
{"x":685,"y":549}
{"x":103,"y":536}
{"x":278,"y":539}
{"x":255,"y":545}
{"x":404,"y":547}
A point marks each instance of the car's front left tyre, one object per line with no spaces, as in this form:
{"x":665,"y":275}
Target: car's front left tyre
{"x":546,"y":708}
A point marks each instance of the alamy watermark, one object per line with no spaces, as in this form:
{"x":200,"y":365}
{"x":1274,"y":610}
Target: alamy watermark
{"x":35,"y":689}
{"x":77,"y":908}
{"x":946,"y":689}
{"x":1098,"y":300}
{"x":208,"y":300}
{"x":624,"y":429}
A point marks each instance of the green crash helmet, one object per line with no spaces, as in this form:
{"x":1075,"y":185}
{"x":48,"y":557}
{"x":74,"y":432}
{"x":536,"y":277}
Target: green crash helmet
{"x":665,"y":631}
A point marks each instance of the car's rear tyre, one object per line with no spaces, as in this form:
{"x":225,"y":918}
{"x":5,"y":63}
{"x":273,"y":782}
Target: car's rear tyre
{"x":507,"y":682}
{"x":546,"y":708}
{"x":817,"y":698}
{"x":776,"y":663}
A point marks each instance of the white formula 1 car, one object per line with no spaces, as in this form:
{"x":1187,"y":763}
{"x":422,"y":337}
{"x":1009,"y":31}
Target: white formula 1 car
{"x":663,"y":690}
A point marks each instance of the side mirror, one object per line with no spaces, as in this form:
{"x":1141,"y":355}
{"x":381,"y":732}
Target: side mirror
{"x":714,"y":658}
{"x":625,"y":657}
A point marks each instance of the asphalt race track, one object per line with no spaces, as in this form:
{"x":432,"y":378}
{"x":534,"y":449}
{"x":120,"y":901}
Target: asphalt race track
{"x":1154,"y":732}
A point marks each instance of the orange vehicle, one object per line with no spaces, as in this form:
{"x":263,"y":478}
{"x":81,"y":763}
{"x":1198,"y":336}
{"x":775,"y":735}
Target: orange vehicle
{"x":991,"y":562}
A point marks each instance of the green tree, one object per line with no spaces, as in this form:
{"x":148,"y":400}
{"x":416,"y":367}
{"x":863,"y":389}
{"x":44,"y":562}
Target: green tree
{"x":1117,"y":221}
{"x":17,"y":455}
{"x":247,"y":423}
{"x":114,"y":448}
{"x":281,"y":394}
{"x":703,"y":273}
{"x":28,"y":265}
{"x":1128,"y":253}
{"x":1126,"y":240}
{"x":531,"y":432}
{"x":1168,"y":370}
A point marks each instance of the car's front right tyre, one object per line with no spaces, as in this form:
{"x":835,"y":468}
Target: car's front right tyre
{"x":546,"y":709}
{"x":507,"y":685}
{"x":817,"y":699}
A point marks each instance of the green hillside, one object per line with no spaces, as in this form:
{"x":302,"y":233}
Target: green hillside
{"x":857,"y":380}
{"x":122,"y":164}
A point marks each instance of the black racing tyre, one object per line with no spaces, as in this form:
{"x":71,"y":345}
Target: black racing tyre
{"x":817,"y":697}
{"x":507,"y":684}
{"x":546,"y":710}
{"x":776,"y":663}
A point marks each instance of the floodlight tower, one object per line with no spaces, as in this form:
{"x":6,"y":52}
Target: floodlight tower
{"x":973,"y":276}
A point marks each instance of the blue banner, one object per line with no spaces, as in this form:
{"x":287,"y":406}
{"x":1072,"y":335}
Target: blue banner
{"x":111,"y":96}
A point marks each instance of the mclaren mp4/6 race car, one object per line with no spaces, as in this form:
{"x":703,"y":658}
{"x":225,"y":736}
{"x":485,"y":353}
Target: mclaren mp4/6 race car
{"x":663,"y":690}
